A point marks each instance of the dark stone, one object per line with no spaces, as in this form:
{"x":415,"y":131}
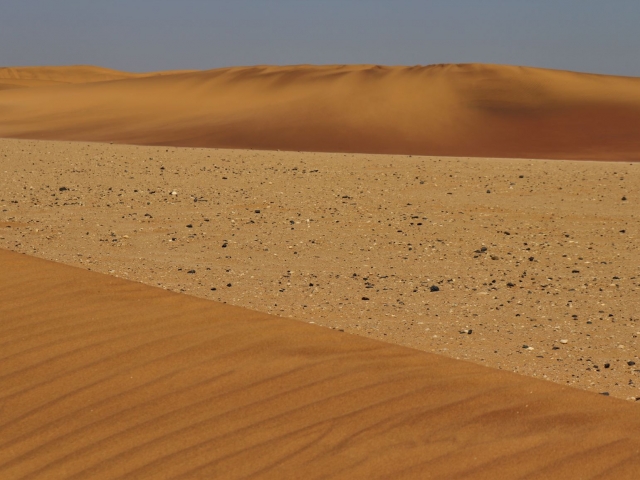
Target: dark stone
{"x":631,"y":363}
{"x":365,"y":298}
{"x":525,"y":346}
{"x":213,"y":289}
{"x":257,"y":211}
{"x":510,"y":284}
{"x":488,"y":191}
{"x":191,"y":271}
{"x":189,"y":226}
{"x":63,"y":189}
{"x":607,"y":365}
{"x":470,"y":332}
{"x":228,"y":284}
{"x":531,"y":259}
{"x":606,"y":394}
{"x":224,"y":245}
{"x":434,"y":288}
{"x":624,"y":199}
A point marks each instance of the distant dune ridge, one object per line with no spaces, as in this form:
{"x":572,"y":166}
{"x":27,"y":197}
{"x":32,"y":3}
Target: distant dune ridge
{"x":457,"y":110}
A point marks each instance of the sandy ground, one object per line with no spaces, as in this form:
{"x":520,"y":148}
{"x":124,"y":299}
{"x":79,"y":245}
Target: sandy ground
{"x":103,"y":378}
{"x":454,"y":110}
{"x":536,"y":262}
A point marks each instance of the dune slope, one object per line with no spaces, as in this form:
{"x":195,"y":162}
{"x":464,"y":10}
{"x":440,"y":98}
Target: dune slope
{"x":457,"y":110}
{"x":105,"y":378}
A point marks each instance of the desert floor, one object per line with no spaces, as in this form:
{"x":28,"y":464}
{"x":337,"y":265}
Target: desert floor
{"x":537,"y":262}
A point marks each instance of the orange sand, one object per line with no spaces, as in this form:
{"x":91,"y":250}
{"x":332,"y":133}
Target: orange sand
{"x":456,"y":110}
{"x":103,"y":378}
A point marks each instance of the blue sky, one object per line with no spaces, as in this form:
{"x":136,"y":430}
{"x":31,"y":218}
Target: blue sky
{"x":143,"y":35}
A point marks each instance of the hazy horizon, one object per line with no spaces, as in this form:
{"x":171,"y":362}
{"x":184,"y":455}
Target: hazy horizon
{"x":144,"y":35}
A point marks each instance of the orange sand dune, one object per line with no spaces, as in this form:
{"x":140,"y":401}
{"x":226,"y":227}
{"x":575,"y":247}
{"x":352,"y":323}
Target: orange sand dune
{"x":460,"y":110}
{"x":19,"y":77}
{"x":105,"y":378}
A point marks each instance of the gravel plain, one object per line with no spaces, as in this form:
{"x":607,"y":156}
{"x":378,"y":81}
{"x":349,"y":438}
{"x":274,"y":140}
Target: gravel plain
{"x":536,"y":262}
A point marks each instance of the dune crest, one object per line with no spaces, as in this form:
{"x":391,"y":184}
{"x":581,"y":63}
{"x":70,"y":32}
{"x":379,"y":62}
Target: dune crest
{"x":457,"y":110}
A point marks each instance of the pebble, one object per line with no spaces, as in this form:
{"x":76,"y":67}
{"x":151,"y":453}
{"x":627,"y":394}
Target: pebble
{"x":564,"y":342}
{"x":434,"y":288}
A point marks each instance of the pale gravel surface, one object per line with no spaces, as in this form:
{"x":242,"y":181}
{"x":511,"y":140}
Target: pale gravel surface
{"x":309,"y":235}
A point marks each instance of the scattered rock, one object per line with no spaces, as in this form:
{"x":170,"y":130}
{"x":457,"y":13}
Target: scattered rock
{"x":434,"y":288}
{"x":564,"y":341}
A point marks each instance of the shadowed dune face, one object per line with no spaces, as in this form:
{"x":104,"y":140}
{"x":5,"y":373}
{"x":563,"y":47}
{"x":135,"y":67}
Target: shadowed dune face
{"x":457,"y":110}
{"x":103,"y":378}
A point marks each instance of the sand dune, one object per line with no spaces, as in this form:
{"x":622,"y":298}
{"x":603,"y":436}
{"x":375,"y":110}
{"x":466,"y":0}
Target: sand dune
{"x":104,"y":378}
{"x":456,"y":110}
{"x":21,"y":77}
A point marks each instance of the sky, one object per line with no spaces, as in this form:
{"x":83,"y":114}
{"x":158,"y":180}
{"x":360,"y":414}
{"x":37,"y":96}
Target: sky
{"x":594,"y":36}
